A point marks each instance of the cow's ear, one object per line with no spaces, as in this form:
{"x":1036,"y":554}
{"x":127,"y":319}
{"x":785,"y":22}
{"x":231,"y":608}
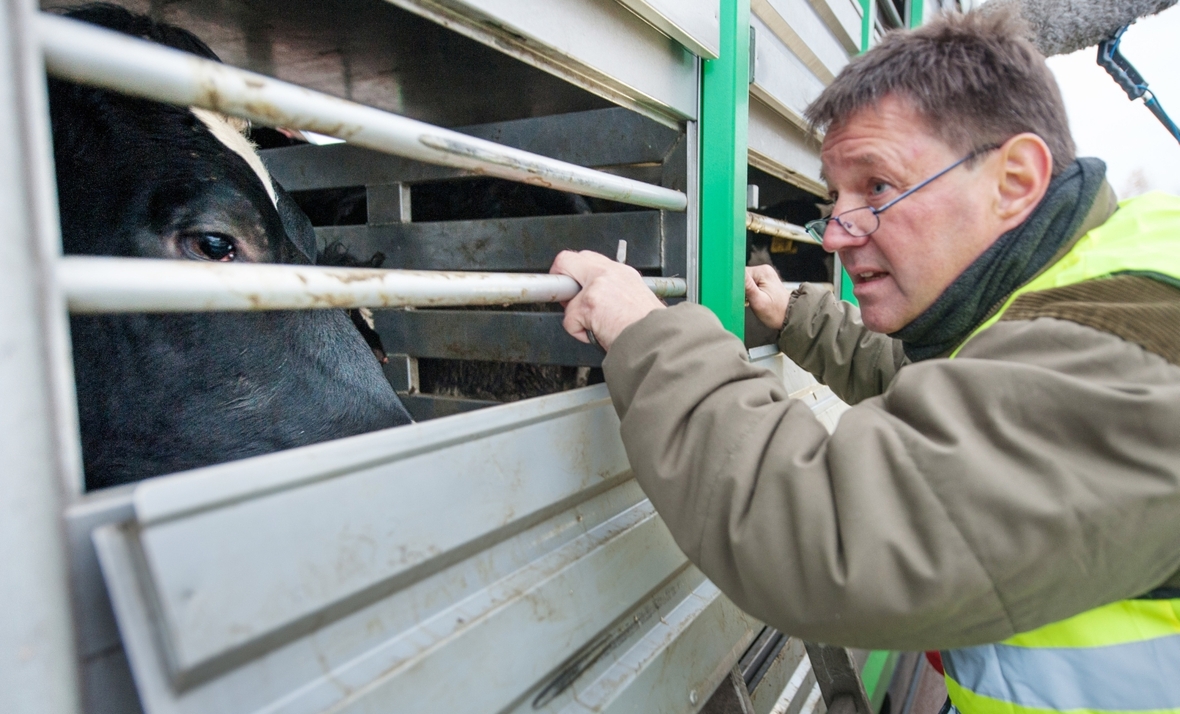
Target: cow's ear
{"x":296,"y":224}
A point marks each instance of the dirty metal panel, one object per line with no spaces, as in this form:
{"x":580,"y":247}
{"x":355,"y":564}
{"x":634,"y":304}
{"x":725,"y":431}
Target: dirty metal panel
{"x":785,"y":679}
{"x":496,"y":244}
{"x":424,"y":407}
{"x":596,"y":44}
{"x":799,"y":27}
{"x":303,"y":168}
{"x":604,"y":137}
{"x":781,"y":78}
{"x":362,"y":572}
{"x":532,"y":337}
{"x":677,"y":667}
{"x":696,"y":24}
{"x":842,"y":18}
{"x":557,"y":584}
{"x":374,"y":53}
{"x":386,"y":528}
{"x":780,"y":148}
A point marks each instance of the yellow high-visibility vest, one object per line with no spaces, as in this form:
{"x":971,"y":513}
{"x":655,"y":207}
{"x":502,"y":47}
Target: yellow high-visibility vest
{"x":1119,"y":658}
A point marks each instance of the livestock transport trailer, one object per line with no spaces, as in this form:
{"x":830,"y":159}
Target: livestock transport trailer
{"x":491,"y":557}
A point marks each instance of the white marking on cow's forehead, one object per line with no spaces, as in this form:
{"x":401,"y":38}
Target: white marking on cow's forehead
{"x":233,"y":139}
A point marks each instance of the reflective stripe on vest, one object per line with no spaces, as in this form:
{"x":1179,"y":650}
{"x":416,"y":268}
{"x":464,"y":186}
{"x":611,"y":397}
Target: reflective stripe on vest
{"x":1121,"y":658}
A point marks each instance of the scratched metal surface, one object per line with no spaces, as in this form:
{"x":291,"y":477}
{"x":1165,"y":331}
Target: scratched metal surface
{"x":501,"y":560}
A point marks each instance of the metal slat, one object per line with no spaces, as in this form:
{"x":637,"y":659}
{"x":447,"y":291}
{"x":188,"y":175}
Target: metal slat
{"x":110,"y":285}
{"x":596,"y":44}
{"x":38,"y":672}
{"x":383,"y":596}
{"x":692,"y":23}
{"x":601,"y":137}
{"x":780,"y":148}
{"x":532,"y":337}
{"x":503,"y":243}
{"x":82,"y":53}
{"x":783,"y":80}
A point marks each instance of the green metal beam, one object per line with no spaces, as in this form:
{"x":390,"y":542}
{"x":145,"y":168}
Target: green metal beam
{"x":917,"y":10}
{"x":725,"y":105}
{"x":868,"y":12}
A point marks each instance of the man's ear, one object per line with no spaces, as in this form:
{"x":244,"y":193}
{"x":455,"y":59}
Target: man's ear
{"x":1026,"y":168}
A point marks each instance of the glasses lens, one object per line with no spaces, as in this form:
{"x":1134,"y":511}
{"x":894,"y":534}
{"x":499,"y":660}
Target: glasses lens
{"x":859,"y":222}
{"x":816,"y":228}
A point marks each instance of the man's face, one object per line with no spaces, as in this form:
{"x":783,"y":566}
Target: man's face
{"x":926,"y":240}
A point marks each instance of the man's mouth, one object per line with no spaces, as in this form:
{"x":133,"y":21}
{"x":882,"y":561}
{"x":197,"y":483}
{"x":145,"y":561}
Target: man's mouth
{"x":861,"y":277}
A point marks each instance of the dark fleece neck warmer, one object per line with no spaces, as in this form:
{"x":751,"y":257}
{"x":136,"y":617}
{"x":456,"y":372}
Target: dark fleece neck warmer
{"x":1014,"y":259}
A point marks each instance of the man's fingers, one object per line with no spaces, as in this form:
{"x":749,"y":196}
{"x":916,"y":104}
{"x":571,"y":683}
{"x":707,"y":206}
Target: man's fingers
{"x":763,"y":275}
{"x":582,"y":266}
{"x":574,"y":321}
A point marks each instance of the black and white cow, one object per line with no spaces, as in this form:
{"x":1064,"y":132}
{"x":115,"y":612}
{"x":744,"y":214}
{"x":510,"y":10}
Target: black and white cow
{"x":167,"y":392}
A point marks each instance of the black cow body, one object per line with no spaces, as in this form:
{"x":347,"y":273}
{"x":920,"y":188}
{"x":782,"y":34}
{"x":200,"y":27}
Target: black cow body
{"x":162,"y":393}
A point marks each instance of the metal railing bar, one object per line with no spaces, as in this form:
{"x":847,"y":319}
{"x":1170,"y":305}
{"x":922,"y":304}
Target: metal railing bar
{"x":78,"y":52}
{"x":110,"y":285}
{"x":774,"y":227}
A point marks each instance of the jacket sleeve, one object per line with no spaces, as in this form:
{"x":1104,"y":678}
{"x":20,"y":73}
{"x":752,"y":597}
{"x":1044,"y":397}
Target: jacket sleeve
{"x":825,"y":336}
{"x":1034,"y":477}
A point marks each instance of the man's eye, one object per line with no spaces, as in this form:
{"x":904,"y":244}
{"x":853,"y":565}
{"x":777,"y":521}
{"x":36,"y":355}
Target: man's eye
{"x":210,"y":246}
{"x":879,"y":188}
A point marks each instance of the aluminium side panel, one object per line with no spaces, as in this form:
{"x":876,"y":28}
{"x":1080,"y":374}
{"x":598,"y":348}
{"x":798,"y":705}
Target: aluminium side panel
{"x":780,"y":148}
{"x":799,"y":48}
{"x":696,"y":24}
{"x":781,"y":79}
{"x":37,"y":462}
{"x":599,"y":45}
{"x":803,"y":31}
{"x":843,"y":18}
{"x":502,"y":560}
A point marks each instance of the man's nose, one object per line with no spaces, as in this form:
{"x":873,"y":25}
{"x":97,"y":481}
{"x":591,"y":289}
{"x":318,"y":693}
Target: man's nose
{"x":837,"y":238}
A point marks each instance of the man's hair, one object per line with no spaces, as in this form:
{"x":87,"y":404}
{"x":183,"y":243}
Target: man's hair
{"x":975,"y":78}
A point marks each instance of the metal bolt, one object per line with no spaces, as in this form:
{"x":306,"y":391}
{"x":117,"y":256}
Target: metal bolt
{"x":692,"y":696}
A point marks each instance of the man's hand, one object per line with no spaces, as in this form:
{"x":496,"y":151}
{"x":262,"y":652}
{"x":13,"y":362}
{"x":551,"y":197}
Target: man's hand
{"x":767,"y":296}
{"x":613,"y":296}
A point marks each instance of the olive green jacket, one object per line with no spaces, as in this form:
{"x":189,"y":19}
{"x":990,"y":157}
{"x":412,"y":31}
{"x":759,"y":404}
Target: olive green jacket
{"x":958,"y":502}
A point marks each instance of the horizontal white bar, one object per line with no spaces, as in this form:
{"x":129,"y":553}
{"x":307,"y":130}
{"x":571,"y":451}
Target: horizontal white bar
{"x":83,"y":53}
{"x":774,"y":227}
{"x":105,"y":285}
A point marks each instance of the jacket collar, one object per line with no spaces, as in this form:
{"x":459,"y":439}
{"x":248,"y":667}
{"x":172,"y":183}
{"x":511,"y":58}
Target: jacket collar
{"x":1077,"y":201}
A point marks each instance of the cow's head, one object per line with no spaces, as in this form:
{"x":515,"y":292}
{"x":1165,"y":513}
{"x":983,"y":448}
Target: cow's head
{"x":162,"y":393}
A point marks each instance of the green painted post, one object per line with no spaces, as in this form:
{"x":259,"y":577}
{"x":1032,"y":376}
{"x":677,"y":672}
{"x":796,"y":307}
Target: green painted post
{"x":868,"y":10}
{"x":725,"y":105}
{"x":917,"y":10}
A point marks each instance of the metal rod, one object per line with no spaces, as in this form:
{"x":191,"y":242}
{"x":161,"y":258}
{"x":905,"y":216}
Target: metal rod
{"x":106,"y":285}
{"x":781,"y":229}
{"x":86,"y":54}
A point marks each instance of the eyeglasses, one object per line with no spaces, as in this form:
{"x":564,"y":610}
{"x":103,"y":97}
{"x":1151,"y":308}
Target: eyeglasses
{"x":863,"y":221}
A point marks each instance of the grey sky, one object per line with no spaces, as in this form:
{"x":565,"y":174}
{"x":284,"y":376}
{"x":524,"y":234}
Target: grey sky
{"x":1140,"y":154}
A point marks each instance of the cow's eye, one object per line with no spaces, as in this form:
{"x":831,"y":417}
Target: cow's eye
{"x":211,"y":246}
